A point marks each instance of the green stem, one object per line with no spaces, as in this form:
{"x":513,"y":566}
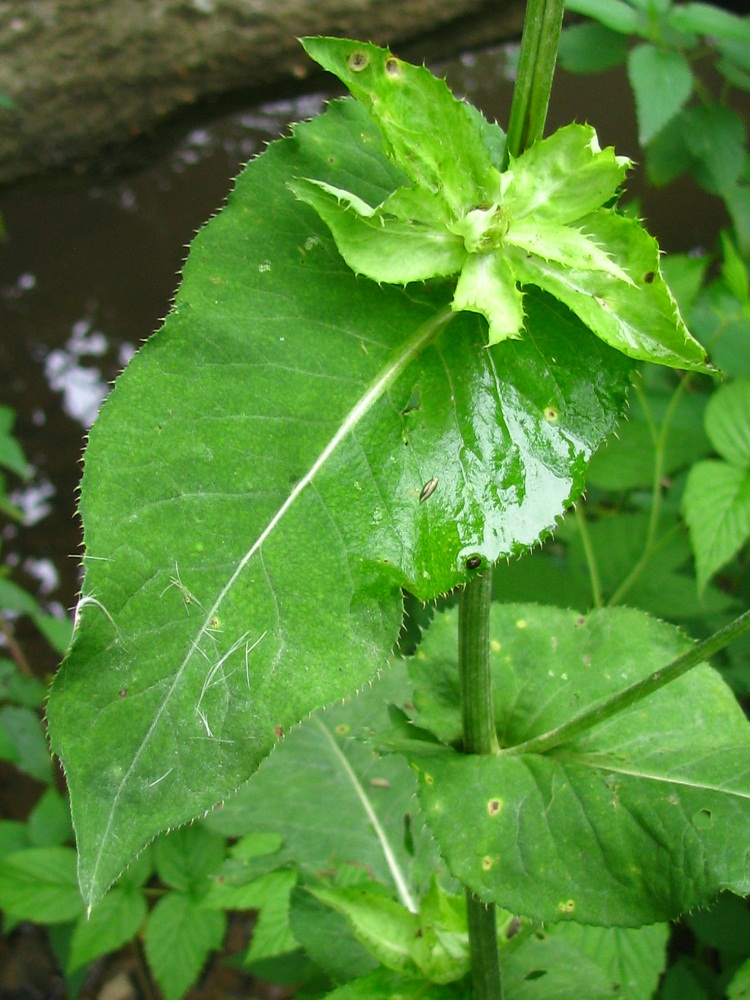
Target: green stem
{"x":660,"y":450}
{"x":477,"y":708}
{"x":604,"y":709}
{"x":588,"y":551}
{"x":536,"y":67}
{"x":474,"y":666}
{"x":541,"y":33}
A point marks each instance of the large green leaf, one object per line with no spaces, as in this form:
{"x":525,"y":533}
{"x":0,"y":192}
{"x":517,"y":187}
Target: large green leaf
{"x":334,"y":803}
{"x":293,"y":447}
{"x":640,"y":819}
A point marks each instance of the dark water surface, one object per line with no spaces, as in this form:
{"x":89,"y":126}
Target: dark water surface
{"x":91,"y":263}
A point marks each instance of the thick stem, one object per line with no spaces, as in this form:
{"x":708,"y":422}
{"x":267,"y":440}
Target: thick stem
{"x":479,"y":737}
{"x":536,"y":67}
{"x":474,"y":666}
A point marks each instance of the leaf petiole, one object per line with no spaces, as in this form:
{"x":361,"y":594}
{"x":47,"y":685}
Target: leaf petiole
{"x":605,"y":708}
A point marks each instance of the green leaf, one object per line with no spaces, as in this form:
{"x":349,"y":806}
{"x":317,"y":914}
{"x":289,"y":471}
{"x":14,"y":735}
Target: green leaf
{"x":627,"y":461}
{"x":591,"y":48}
{"x":734,"y":270}
{"x":355,"y":804}
{"x":23,"y":742}
{"x":716,"y":501}
{"x":185,"y":858}
{"x":640,"y":318}
{"x":11,"y":453}
{"x":112,"y":924}
{"x":13,"y":836}
{"x":587,"y":831}
{"x":429,"y":134}
{"x":571,"y":962}
{"x":633,"y":959}
{"x":19,"y":689}
{"x":653,"y":71}
{"x":614,"y":14}
{"x":716,"y":505}
{"x":433,"y":943}
{"x":707,"y":19}
{"x":327,"y":939}
{"x":380,"y":246}
{"x":40,"y":884}
{"x":385,"y":928}
{"x":180,"y":934}
{"x":739,"y":987}
{"x":563,"y":178}
{"x":269,"y":894}
{"x":386,"y":985}
{"x":263,"y":457}
{"x":49,"y":820}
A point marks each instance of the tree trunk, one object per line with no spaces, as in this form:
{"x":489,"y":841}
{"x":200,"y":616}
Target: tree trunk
{"x":84,"y":74}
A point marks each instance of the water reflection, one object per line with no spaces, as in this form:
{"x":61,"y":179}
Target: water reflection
{"x":82,"y":387}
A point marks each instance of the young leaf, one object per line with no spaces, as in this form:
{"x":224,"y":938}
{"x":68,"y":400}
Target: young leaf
{"x":430,"y":135}
{"x":587,"y":831}
{"x":540,"y":222}
{"x":270,"y":896}
{"x":179,"y":936}
{"x":653,"y":71}
{"x":184,"y":858}
{"x":716,"y":502}
{"x":251,"y":495}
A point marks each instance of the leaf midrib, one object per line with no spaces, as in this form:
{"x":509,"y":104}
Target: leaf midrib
{"x":384,"y":380}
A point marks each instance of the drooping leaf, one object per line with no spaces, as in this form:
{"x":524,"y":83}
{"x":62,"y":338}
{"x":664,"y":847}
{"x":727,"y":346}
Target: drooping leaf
{"x":251,"y":495}
{"x":626,"y":825}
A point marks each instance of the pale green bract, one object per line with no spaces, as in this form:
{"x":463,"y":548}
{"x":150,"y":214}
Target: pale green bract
{"x":540,"y":222}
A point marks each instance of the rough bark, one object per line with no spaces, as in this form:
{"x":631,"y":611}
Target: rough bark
{"x":84,"y":74}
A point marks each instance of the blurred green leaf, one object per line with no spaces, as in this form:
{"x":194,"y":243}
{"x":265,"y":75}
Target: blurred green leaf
{"x":22,"y":742}
{"x":180,"y":934}
{"x":591,"y":48}
{"x":40,"y":884}
{"x":114,"y":922}
{"x":653,"y":71}
{"x":716,"y":502}
{"x":49,"y":821}
{"x":186,"y":857}
{"x":613,"y":14}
